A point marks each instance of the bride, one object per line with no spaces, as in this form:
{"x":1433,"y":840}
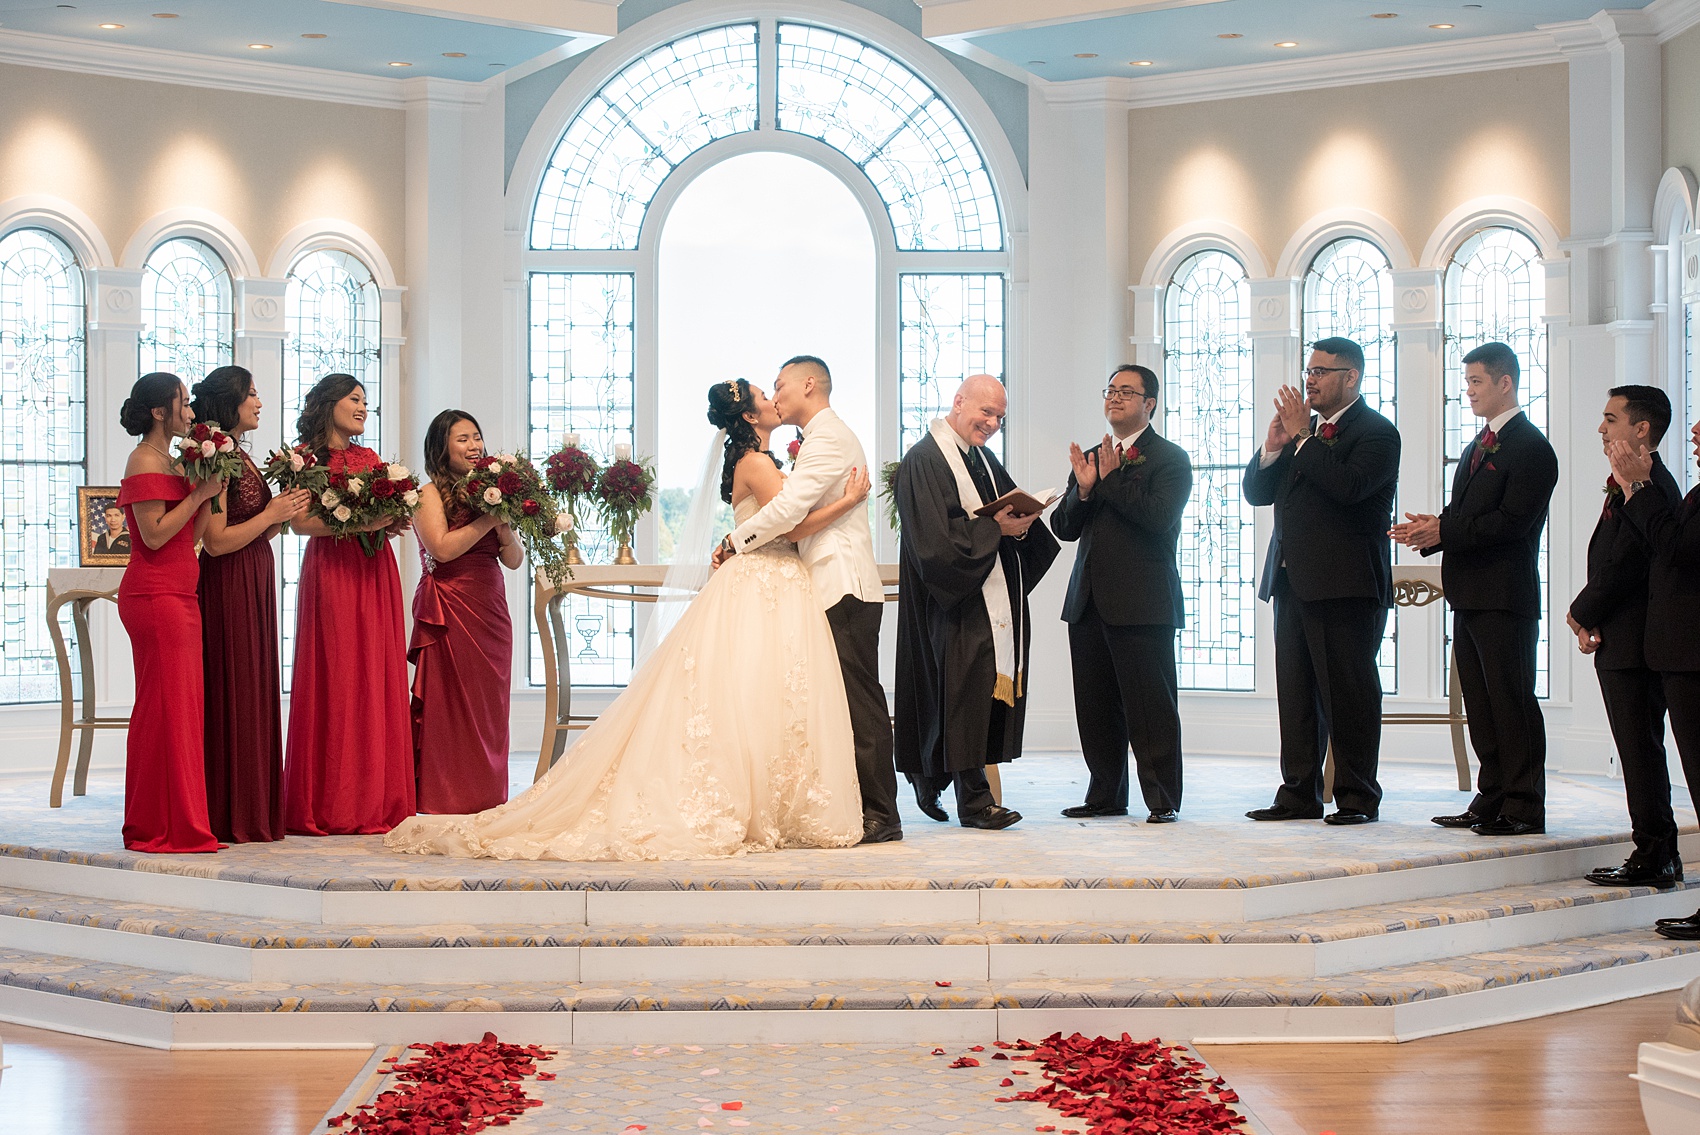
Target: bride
{"x":733,"y":736}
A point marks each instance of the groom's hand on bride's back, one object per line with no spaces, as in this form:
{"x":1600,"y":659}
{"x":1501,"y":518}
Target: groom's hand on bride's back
{"x":720,"y":554}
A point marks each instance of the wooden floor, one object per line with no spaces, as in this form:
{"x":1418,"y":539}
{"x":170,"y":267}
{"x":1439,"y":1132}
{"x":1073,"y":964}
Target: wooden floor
{"x":1563,"y":1075}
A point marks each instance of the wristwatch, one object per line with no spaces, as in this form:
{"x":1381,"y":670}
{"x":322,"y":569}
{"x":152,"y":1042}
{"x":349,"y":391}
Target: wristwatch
{"x":1304,"y":433}
{"x":1637,"y":486}
{"x":726,"y":545}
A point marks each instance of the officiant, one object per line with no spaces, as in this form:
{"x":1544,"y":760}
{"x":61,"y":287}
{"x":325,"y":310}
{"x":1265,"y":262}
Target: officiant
{"x":963,"y":625}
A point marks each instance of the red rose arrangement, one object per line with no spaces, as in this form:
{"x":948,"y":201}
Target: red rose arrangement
{"x":361,"y":489}
{"x":208,"y":454}
{"x":295,"y":468}
{"x":508,"y":485}
{"x":571,"y":473}
{"x":624,"y":492}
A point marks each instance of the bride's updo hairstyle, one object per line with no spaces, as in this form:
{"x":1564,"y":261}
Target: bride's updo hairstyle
{"x":728,"y":402}
{"x":151,"y":392}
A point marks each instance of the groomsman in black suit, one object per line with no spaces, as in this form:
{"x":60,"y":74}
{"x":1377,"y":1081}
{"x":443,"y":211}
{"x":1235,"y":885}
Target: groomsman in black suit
{"x":1673,"y":611}
{"x":1609,"y":619}
{"x":1329,"y":465}
{"x":1491,"y":533}
{"x":1124,"y":503}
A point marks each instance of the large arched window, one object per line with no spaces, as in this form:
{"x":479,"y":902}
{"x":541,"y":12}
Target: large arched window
{"x":1348,"y":291}
{"x":43,"y":424}
{"x":331,"y":312}
{"x":1496,"y":292}
{"x":821,"y":94}
{"x":188,"y":325}
{"x":1690,"y":381}
{"x":1208,"y":411}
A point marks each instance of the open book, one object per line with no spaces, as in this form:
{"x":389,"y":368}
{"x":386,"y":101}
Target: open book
{"x":1023,"y":502}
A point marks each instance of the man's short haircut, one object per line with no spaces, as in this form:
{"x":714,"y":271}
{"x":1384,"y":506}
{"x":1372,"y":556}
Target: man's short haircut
{"x":1498,"y":360}
{"x":823,"y":379}
{"x":1147,"y":377}
{"x":1343,"y":348}
{"x":1646,"y":404}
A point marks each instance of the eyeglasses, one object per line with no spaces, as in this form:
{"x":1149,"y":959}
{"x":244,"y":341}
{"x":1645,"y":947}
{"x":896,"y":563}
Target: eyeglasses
{"x":1122,"y":393}
{"x":1318,"y":372}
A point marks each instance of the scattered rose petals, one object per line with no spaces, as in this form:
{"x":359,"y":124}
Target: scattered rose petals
{"x":456,"y":1089}
{"x":709,"y":1072}
{"x":938,"y":1052}
{"x":705,"y":1121}
{"x":942,"y":984}
{"x":998,"y":1055}
{"x":1126,"y":1087}
{"x":693,"y":1048}
{"x":732,"y":1105}
{"x":1018,"y":1072}
{"x":1006,"y":1082}
{"x":635,"y":1127}
{"x":737,"y":1122}
{"x":834,"y":1107}
{"x":978,"y":1048}
{"x":546,"y":1075}
{"x":964,"y":1062}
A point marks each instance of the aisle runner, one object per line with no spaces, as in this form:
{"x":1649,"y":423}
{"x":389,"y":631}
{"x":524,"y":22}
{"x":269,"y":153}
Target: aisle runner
{"x":843,"y":1089}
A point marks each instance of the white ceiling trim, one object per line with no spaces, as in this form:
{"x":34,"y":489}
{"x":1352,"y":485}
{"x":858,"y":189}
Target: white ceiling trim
{"x":62,"y":53}
{"x":1488,"y":53}
{"x":557,"y":17}
{"x":1673,"y":17}
{"x":981,"y":17}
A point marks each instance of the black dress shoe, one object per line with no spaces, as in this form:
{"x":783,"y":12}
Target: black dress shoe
{"x":1464,"y":819}
{"x":1692,"y":920}
{"x":993,"y":819}
{"x":882,"y":833}
{"x":928,"y":799}
{"x":1681,"y":931}
{"x":1505,"y":825}
{"x":1638,"y":873}
{"x":1167,"y":816}
{"x":1345,"y":817}
{"x":1282,"y":812}
{"x":1087,"y":812}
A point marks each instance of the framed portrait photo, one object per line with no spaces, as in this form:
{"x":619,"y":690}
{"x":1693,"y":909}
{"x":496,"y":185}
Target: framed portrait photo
{"x":103,"y":534}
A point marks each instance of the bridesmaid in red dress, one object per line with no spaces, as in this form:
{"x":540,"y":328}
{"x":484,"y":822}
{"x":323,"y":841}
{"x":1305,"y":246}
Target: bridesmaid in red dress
{"x":165,"y":793}
{"x":238,"y":591}
{"x":348,"y":763}
{"x":463,"y":639}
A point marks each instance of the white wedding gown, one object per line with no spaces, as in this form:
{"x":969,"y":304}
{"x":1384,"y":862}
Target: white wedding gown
{"x":732,"y":737}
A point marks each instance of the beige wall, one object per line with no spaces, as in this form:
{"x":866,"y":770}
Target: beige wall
{"x":1411,"y":151}
{"x":1682,"y":100}
{"x":124,"y":150}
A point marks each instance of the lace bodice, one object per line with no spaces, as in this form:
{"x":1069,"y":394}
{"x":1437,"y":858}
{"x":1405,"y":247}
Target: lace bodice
{"x":778,"y":546}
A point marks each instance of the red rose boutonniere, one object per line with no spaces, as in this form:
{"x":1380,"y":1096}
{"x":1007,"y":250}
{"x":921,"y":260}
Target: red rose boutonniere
{"x":1132,"y":456}
{"x":793,"y":449}
{"x":1614,"y":493}
{"x":1329,"y":433}
{"x":1489,"y":442}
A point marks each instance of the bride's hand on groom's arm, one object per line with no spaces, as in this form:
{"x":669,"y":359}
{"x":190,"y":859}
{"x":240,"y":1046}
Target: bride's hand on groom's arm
{"x":857,"y":487}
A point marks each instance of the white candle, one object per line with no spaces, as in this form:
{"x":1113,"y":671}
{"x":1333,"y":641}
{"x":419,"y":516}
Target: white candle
{"x":622,"y":452}
{"x":572,"y":440}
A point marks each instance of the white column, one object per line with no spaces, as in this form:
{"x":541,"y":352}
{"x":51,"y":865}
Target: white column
{"x":1420,"y":357}
{"x":113,"y":336}
{"x":259,"y":347}
{"x":1276,"y":306}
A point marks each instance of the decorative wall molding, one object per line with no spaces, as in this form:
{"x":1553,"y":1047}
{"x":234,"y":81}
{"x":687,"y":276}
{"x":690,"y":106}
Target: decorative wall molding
{"x":1671,"y":18}
{"x":61,"y":218}
{"x":1196,"y":236}
{"x":1488,"y":53}
{"x":1335,"y":224}
{"x":183,"y":68}
{"x":329,"y":232}
{"x":1494,"y":210}
{"x":200,"y":224}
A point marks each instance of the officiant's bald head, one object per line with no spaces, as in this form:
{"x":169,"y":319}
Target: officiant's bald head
{"x":977,"y":411}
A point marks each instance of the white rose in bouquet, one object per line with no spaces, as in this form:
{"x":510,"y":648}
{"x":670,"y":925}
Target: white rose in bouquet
{"x":342,"y":514}
{"x":397,"y":473}
{"x":355,"y":484}
{"x":296,"y":464}
{"x":226,"y":445}
{"x":410,"y":498}
{"x":563,"y":522}
{"x":505,"y":458}
{"x":492,"y":495}
{"x":208,"y":449}
{"x":329,"y":499}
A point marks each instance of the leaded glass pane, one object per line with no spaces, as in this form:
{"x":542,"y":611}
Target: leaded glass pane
{"x":952,"y":327}
{"x":1691,"y":389}
{"x":1208,"y":411}
{"x":332,"y":312}
{"x":43,"y":423}
{"x":898,"y":131}
{"x":632,"y":133}
{"x":187,"y":315}
{"x":583,"y":380}
{"x":1349,"y":292}
{"x":1496,"y":292}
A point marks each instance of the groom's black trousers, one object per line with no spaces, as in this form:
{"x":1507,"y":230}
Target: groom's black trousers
{"x":856,"y":634}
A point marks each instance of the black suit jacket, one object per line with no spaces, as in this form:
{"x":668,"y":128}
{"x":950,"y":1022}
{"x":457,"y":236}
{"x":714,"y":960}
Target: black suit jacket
{"x":1491,"y":528}
{"x":1128,"y":530}
{"x":1614,"y":601}
{"x":1673,"y":583}
{"x":1333,"y":507}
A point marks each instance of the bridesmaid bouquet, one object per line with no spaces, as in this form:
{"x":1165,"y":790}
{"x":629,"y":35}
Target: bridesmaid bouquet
{"x":508,"y":486}
{"x":623,"y":493}
{"x":352,"y":500}
{"x":295,"y":468}
{"x":207,"y":454}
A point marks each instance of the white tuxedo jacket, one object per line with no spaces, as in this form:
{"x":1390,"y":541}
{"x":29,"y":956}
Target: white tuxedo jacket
{"x":840,"y":557}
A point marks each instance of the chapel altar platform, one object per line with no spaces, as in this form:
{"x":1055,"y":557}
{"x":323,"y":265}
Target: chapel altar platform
{"x":1213,"y":929}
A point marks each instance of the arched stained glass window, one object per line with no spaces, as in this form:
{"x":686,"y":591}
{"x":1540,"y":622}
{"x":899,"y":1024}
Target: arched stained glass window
{"x":43,"y":424}
{"x":1690,"y":384}
{"x":331,"y":312}
{"x":632,"y":133}
{"x":1208,"y":411}
{"x":188,"y":325}
{"x":952,"y":327}
{"x":1348,"y":291}
{"x":898,"y":131}
{"x":1496,"y":292}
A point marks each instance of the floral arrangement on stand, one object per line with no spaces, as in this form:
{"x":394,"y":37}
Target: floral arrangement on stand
{"x":624,"y":492}
{"x":508,"y":486}
{"x":353,"y":499}
{"x":208,"y":454}
{"x":888,"y":493}
{"x":295,"y":468}
{"x":572,"y":474}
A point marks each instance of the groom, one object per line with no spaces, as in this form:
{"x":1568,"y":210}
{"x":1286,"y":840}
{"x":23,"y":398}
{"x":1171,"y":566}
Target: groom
{"x":840,"y":559}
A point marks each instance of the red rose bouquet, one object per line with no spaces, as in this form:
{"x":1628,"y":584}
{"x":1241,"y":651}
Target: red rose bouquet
{"x":508,"y":485}
{"x":207,"y":454}
{"x":624,"y":493}
{"x":295,"y":468}
{"x":357,"y":495}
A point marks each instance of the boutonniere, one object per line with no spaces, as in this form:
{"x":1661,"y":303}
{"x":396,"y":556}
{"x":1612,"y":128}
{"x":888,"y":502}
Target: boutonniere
{"x":793,"y":449}
{"x":1329,"y":433}
{"x":1489,"y":442}
{"x":1132,"y":456}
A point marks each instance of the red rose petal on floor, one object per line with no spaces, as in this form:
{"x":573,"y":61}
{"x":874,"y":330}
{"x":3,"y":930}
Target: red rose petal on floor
{"x":964,"y":1062}
{"x":732,"y":1105}
{"x":1006,"y":1082}
{"x":938,"y":1052}
{"x":978,"y":1048}
{"x":942,"y":984}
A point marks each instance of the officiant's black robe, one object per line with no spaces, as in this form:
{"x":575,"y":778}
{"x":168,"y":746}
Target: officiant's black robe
{"x":946,"y":720}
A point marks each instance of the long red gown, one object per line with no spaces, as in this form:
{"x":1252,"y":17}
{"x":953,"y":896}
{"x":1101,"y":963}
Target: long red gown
{"x":462,"y":654}
{"x":165,"y":792}
{"x":348,"y":763}
{"x":244,"y":725}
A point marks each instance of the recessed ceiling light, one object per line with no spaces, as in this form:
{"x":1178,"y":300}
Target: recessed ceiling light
{"x":314,"y":35}
{"x":1139,"y":63}
{"x":1230,"y":35}
{"x":401,"y":64}
{"x":1442,"y":27}
{"x":111,"y":27}
{"x":259,"y":47}
{"x":1086,"y":55}
{"x":1385,"y":16}
{"x":498,"y":65}
{"x":165,"y":15}
{"x":1288,"y":43}
{"x":454,"y":55}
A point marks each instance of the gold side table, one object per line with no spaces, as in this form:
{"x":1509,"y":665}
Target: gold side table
{"x":80,"y":588}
